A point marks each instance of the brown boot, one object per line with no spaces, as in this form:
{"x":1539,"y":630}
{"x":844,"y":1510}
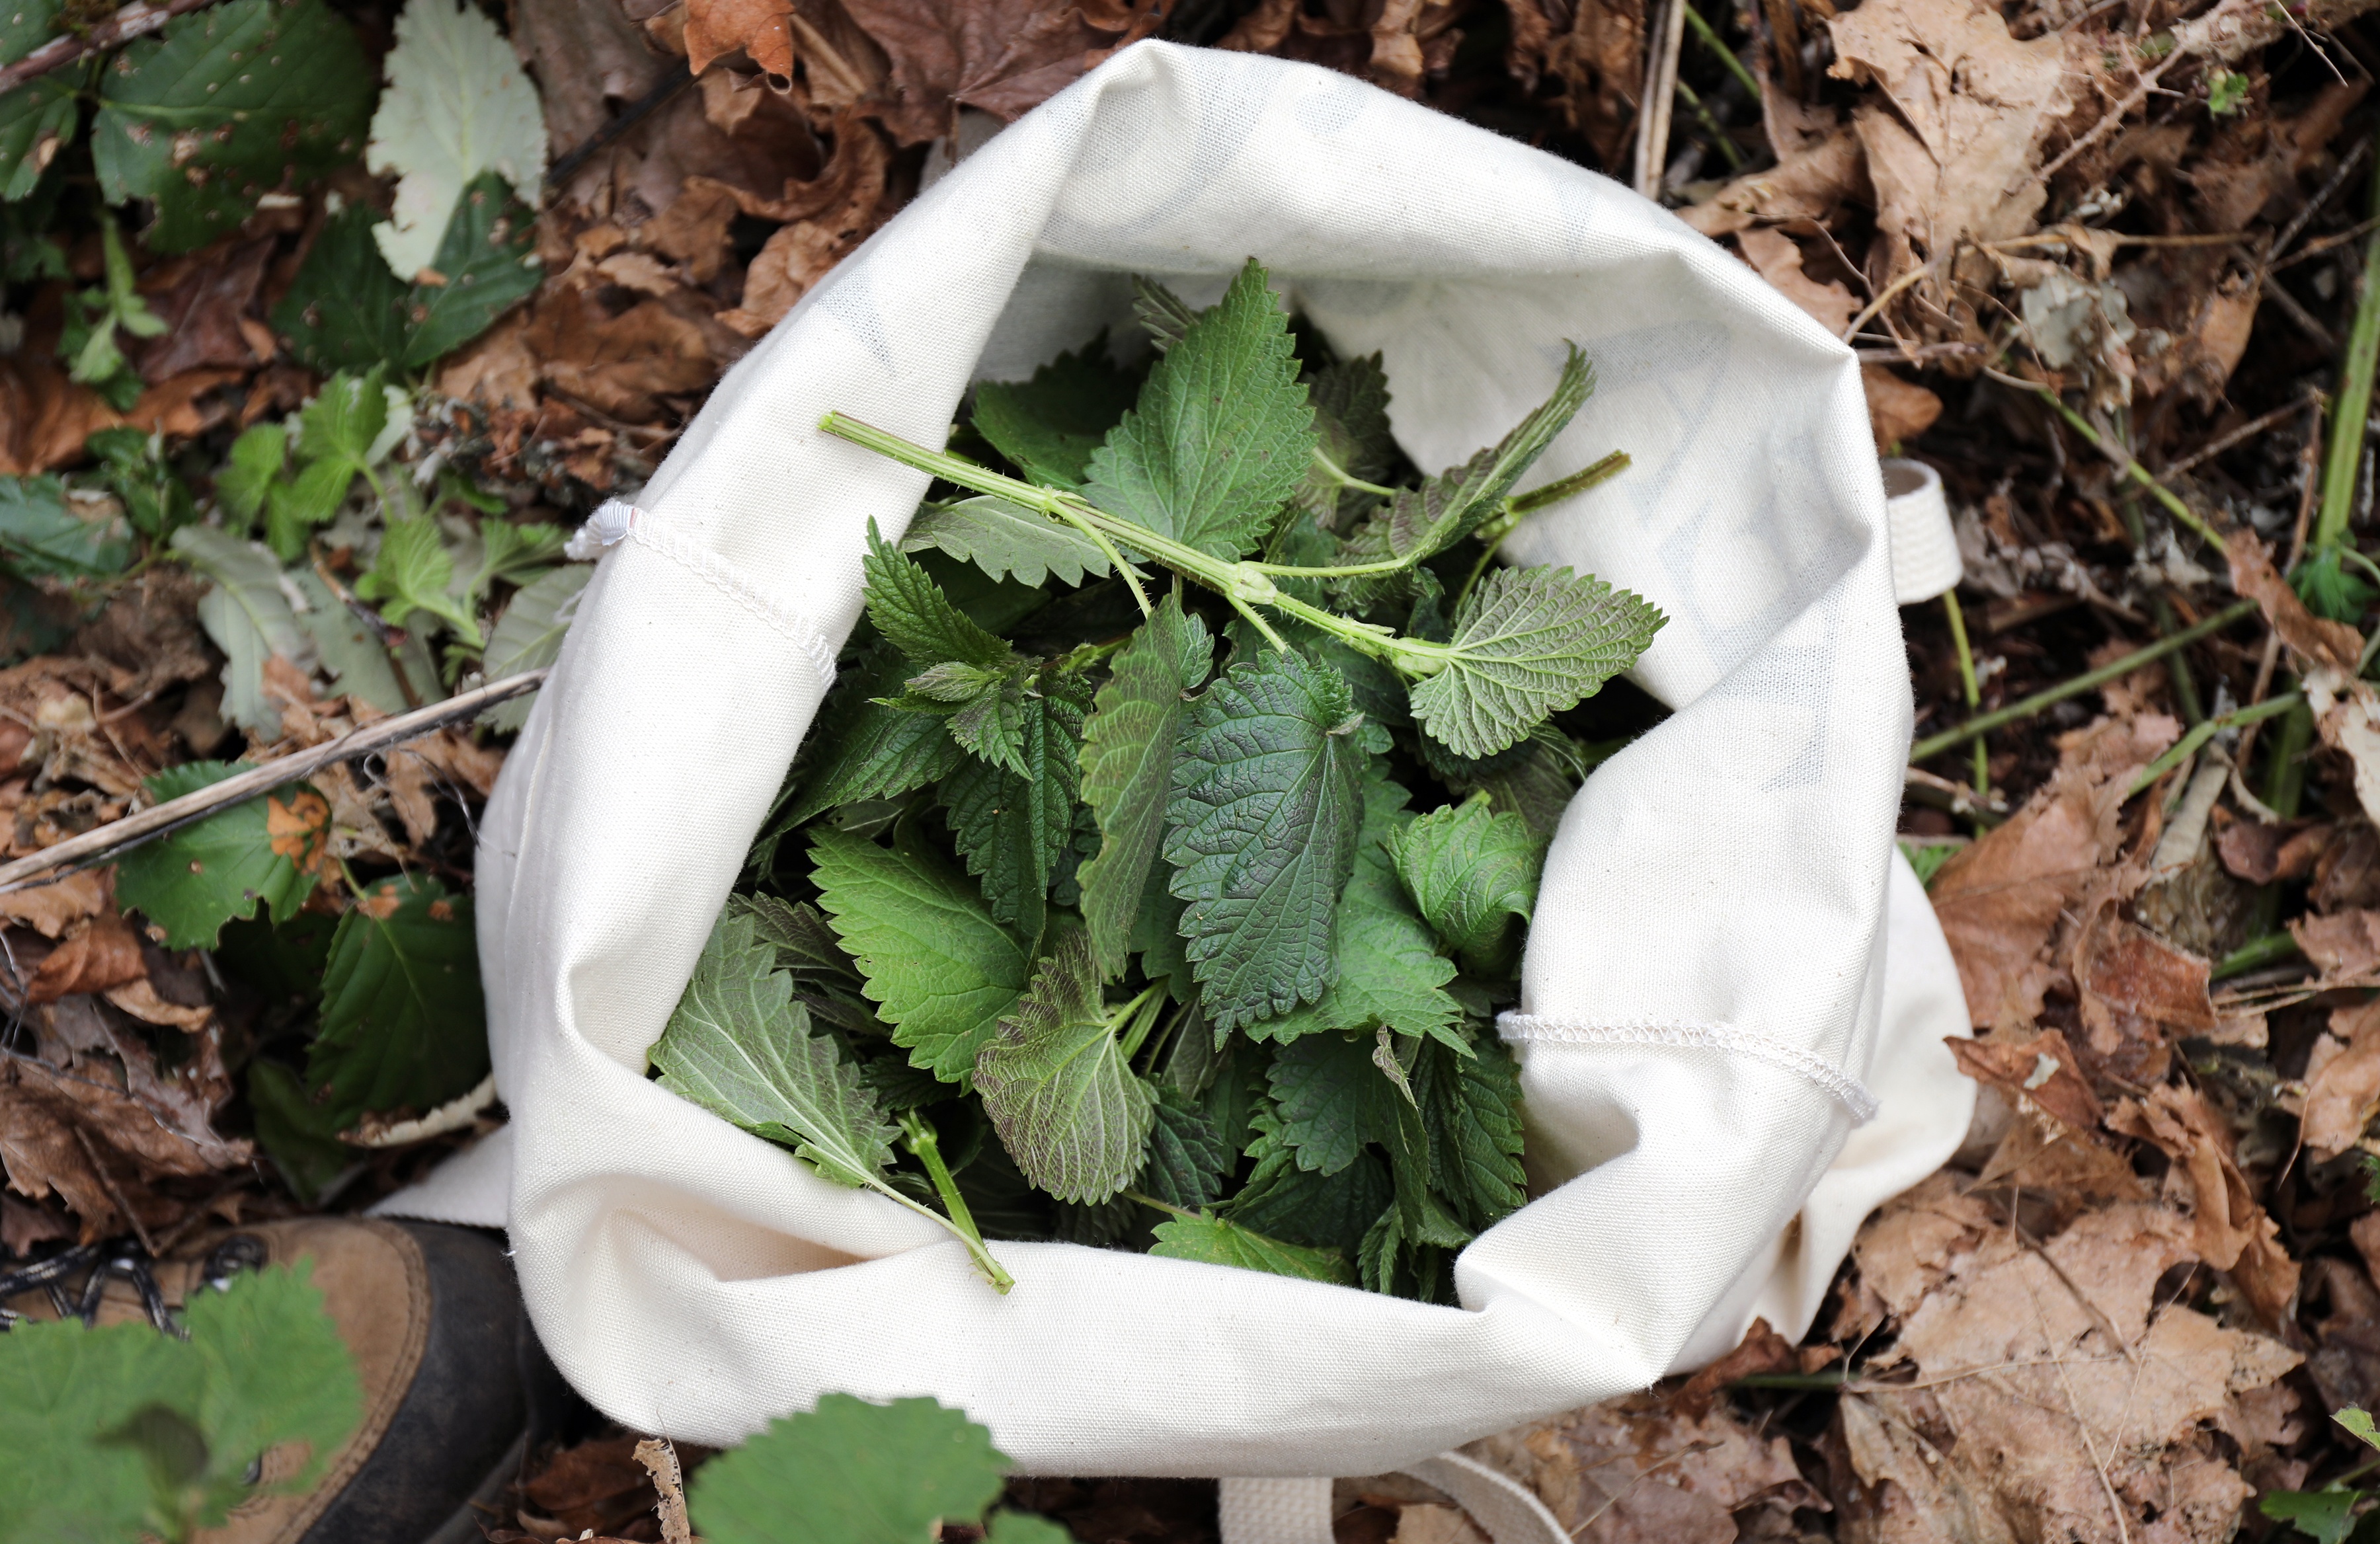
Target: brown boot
{"x":445,"y":1357}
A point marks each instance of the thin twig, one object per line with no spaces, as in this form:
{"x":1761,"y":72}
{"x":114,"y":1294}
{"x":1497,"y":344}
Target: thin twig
{"x":1661,"y":83}
{"x":2332,"y":184}
{"x":136,"y":20}
{"x":2121,"y":457}
{"x":104,"y":841}
{"x":107,"y":1183}
{"x":2248,"y":430}
{"x":636,"y":112}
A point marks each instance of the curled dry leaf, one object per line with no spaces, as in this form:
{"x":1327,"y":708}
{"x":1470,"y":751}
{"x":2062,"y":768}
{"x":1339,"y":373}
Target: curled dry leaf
{"x":2345,"y":944}
{"x":2310,"y":638}
{"x":2229,"y":1231}
{"x":1897,"y":409}
{"x":1761,"y":1350}
{"x":1778,"y":259}
{"x":2261,"y":853}
{"x":2136,"y":990}
{"x":105,"y":953}
{"x":2342,"y":1080}
{"x":50,"y":909}
{"x":2042,"y":1071}
{"x":1589,"y":55}
{"x":1005,"y":57}
{"x":1809,"y":183}
{"x":1393,"y":44}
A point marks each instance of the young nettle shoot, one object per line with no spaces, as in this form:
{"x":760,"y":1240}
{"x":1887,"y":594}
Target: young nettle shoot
{"x":1099,"y":907}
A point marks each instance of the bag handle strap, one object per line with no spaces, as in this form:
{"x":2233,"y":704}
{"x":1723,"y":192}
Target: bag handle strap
{"x":1298,"y":1510}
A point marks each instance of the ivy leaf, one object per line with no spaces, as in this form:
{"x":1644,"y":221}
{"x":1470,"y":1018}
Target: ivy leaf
{"x":1187,"y":1159}
{"x":1130,"y":745}
{"x":1261,"y":833}
{"x":1444,"y":508}
{"x":1471,"y":1106}
{"x":1390,"y":972}
{"x":1472,"y":872}
{"x":484,"y":265}
{"x":739,"y":1046}
{"x":247,"y":615}
{"x":403,"y":1022}
{"x":344,"y":309}
{"x":1351,"y":430}
{"x":910,"y":610}
{"x":528,"y":636}
{"x":867,"y":750}
{"x":1006,"y":541}
{"x":1067,"y":1105}
{"x":458,"y":114}
{"x":1302,"y":1205}
{"x":853,"y":1473}
{"x":43,"y":537}
{"x":1013,"y":827}
{"x":413,"y":572}
{"x":1528,"y":642}
{"x":193,"y":881}
{"x":223,"y":105}
{"x":1213,"y":1240}
{"x":943,"y":972}
{"x":1222,"y":434}
{"x":1049,"y":426}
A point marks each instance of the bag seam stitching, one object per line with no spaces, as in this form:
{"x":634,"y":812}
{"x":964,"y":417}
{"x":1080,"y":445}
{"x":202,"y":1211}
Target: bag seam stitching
{"x":618,"y":520}
{"x":1533,"y":1029}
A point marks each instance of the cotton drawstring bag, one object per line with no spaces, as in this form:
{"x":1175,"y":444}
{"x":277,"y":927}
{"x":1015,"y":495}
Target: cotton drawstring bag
{"x":1733,"y":994}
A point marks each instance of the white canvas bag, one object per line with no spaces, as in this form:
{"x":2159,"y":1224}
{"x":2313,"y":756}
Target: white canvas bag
{"x":1729,"y":971}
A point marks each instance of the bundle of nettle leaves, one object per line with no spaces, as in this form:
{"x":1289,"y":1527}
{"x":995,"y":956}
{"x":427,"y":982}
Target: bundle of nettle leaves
{"x":1097,"y":941}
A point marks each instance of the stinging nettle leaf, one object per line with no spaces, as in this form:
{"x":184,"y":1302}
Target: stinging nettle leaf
{"x":1222,"y":435}
{"x":1012,"y":827}
{"x":1219,"y":1241}
{"x":739,"y":1046}
{"x":1527,"y":643}
{"x":913,"y":615}
{"x":1472,"y":870}
{"x":943,"y":972}
{"x":1068,"y":1107}
{"x":404,"y":1020}
{"x":1448,"y":507}
{"x":1188,"y":1162}
{"x":1350,"y":428}
{"x":850,"y":1471}
{"x":1049,"y":426}
{"x":1471,"y":1106}
{"x":1130,"y":745}
{"x":1261,"y":832}
{"x":1006,"y":541}
{"x":1284,"y":1201}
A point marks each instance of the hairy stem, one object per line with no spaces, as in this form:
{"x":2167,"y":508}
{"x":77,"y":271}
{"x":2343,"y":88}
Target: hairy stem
{"x":919,"y":1137}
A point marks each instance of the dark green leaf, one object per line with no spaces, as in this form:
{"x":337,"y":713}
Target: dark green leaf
{"x":257,"y":457}
{"x":1013,"y":829}
{"x":299,"y":1135}
{"x":404,"y":1024}
{"x":41,"y":536}
{"x":1218,"y":1241}
{"x":910,"y":610}
{"x":345,"y":310}
{"x":2326,"y":1516}
{"x":851,"y":1473}
{"x":488,"y":257}
{"x":1068,"y":1107}
{"x":943,"y":972}
{"x":1261,"y":833}
{"x":193,"y":881}
{"x":1333,"y":1099}
{"x":1130,"y":745}
{"x":1351,"y":428}
{"x":1473,"y":872}
{"x":1446,"y":508}
{"x":1049,"y":426}
{"x":1304,"y":1206}
{"x":1188,"y":1161}
{"x":1528,"y":642}
{"x":861,"y":749}
{"x":1471,"y":1106}
{"x":37,"y":120}
{"x":1222,"y":435}
{"x":226,"y":104}
{"x":1399,"y":1250}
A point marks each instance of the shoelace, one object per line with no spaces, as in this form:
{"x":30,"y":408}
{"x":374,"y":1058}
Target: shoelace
{"x":119,"y":1259}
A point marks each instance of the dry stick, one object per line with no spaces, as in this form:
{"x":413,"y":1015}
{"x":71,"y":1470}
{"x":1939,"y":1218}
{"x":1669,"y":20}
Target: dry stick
{"x":2248,"y":430}
{"x":1934,"y":745}
{"x":106,"y":840}
{"x":136,"y":20}
{"x":1661,"y":83}
{"x":107,"y":1183}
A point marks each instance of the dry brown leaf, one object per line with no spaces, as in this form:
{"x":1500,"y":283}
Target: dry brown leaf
{"x":1811,"y":182}
{"x":2000,"y":899}
{"x":1391,"y":43}
{"x":2261,"y":853}
{"x":50,"y":909}
{"x":585,"y":55}
{"x":104,"y":953}
{"x":498,"y":370}
{"x":1912,"y":1245}
{"x":203,"y":298}
{"x":297,"y":824}
{"x":1005,"y":57}
{"x":757,"y":28}
{"x":2069,"y":1168}
{"x":2137,"y":989}
{"x":2042,"y":1071}
{"x":139,"y":997}
{"x":1776,"y":257}
{"x":1897,"y":409}
{"x":1428,"y":1523}
{"x":2310,"y":638}
{"x":1954,"y":147}
{"x":2343,"y":944}
{"x":1761,"y":1350}
{"x":617,"y":365}
{"x":45,"y":417}
{"x":2230,"y":1232}
{"x":418,"y":769}
{"x":1594,"y":51}
{"x":2342,"y":1080}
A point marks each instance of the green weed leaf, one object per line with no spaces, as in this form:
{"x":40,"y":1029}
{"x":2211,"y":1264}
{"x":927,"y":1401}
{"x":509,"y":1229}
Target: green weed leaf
{"x":1472,"y":872}
{"x":247,"y":615}
{"x":257,"y":457}
{"x":1067,"y":1106}
{"x":1222,"y":435}
{"x":867,"y":750}
{"x":1130,"y":746}
{"x":1188,"y":1161}
{"x":943,"y":971}
{"x":1428,"y":520}
{"x":1261,"y":833}
{"x":851,"y":1473}
{"x":1471,"y":1106}
{"x":1006,"y":541}
{"x":403,"y":1022}
{"x":43,"y":537}
{"x":38,"y":118}
{"x":1218,"y":1241}
{"x":458,"y":115}
{"x":1014,"y":826}
{"x":1049,"y":426}
{"x":1285,"y":1200}
{"x":1350,"y":428}
{"x":910,"y":610}
{"x":201,"y":876}
{"x":528,"y":636}
{"x":487,"y":260}
{"x":1527,"y":643}
{"x":413,"y":572}
{"x":344,"y":309}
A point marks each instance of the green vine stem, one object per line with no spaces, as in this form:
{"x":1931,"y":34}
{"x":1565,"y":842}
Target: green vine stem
{"x":919,"y":1137}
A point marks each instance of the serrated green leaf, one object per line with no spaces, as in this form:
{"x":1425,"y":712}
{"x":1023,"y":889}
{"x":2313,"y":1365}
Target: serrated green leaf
{"x":404,"y":1024}
{"x":1212,"y":1240}
{"x":37,"y":120}
{"x":1470,"y":1107}
{"x":1130,"y":744}
{"x":350,"y":652}
{"x":257,"y":457}
{"x":120,"y":1431}
{"x":943,"y":971}
{"x":1013,"y":827}
{"x":344,"y":309}
{"x":1006,"y":541}
{"x":1390,"y":971}
{"x":1428,"y":520}
{"x":458,"y":114}
{"x":413,"y":572}
{"x":1187,"y":1159}
{"x":1474,"y":874}
{"x":866,"y":749}
{"x":487,"y":260}
{"x":528,"y":636}
{"x":851,"y":1473}
{"x":344,"y":420}
{"x":1537,"y":785}
{"x":910,"y":610}
{"x":294,"y":508}
{"x":1332,"y":1099}
{"x":1399,"y":1251}
{"x":739,"y":1046}
{"x":2326,"y":1516}
{"x":2357,"y":1422}
{"x":193,"y":881}
{"x":1068,"y":1107}
{"x":519,"y":554}
{"x":990,"y":723}
{"x":1261,"y":833}
{"x":223,"y":105}
{"x":1222,"y":435}
{"x":1351,"y":430}
{"x":1302,"y":1205}
{"x":43,"y":536}
{"x":1161,"y":313}
{"x":1528,"y":642}
{"x":1049,"y":426}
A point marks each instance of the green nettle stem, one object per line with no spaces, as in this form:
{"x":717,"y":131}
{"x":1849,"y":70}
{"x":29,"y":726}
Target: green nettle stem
{"x":1245,"y":585}
{"x":919,"y":1137}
